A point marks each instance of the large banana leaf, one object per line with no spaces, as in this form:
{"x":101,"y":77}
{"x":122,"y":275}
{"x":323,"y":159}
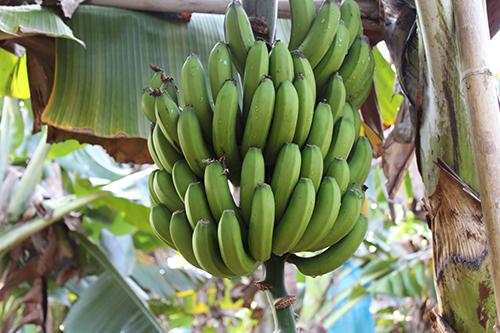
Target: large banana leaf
{"x":97,"y":89}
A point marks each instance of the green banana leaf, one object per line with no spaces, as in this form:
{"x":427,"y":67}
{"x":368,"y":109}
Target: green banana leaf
{"x":97,"y":89}
{"x":13,"y":75}
{"x":17,"y":21}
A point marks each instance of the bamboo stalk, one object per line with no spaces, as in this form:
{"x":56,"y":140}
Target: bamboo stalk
{"x":480,"y":88}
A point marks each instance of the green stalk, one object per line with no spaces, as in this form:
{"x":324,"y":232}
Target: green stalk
{"x":284,"y":318}
{"x":5,"y":134}
{"x":21,"y":231}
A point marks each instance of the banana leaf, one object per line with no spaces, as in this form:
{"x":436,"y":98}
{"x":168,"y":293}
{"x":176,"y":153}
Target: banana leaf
{"x":97,"y":90}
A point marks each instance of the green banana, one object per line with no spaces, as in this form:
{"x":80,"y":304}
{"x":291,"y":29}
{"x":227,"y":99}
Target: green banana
{"x":355,"y":70}
{"x":333,"y":59}
{"x":364,"y":91}
{"x":193,"y":146}
{"x":163,"y":186}
{"x":217,"y":189}
{"x":350,"y":209}
{"x":284,"y":122}
{"x":194,"y":89}
{"x":359,"y":87}
{"x":182,"y":236}
{"x":159,"y":219}
{"x":220,"y":68}
{"x":166,"y":153}
{"x":259,"y":117}
{"x":334,"y":256}
{"x":261,"y":223}
{"x":155,"y":81}
{"x":335,"y":96}
{"x":148,"y":104}
{"x":351,"y":16}
{"x":302,"y":66}
{"x":224,"y":127}
{"x":231,"y":245}
{"x":182,"y":176}
{"x":343,"y":140}
{"x":152,"y":151}
{"x":312,"y":165}
{"x":360,"y":160}
{"x":326,"y":210}
{"x":238,"y":33}
{"x":152,"y":195}
{"x":339,"y":169}
{"x":167,"y":115}
{"x":252,"y":174}
{"x":302,"y":15}
{"x":168,"y":87}
{"x":322,"y":32}
{"x":306,"y":110}
{"x":353,"y":115}
{"x":196,"y":203}
{"x":285,"y":176}
{"x":296,"y":218}
{"x":280,"y":64}
{"x":256,"y":68}
{"x":206,"y":249}
{"x":322,"y":128}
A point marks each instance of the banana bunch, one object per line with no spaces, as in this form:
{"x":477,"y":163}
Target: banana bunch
{"x":261,"y":153}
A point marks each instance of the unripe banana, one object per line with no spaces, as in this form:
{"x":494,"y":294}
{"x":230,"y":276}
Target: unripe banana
{"x":334,"y":256}
{"x":333,"y":59}
{"x":322,"y":128}
{"x":365,"y":78}
{"x":194,"y":89}
{"x":297,"y":215}
{"x":182,"y":176}
{"x":322,"y":32}
{"x":163,"y":186}
{"x":166,"y":153}
{"x":220,"y":68}
{"x":168,"y":87}
{"x":302,"y":13}
{"x":224,"y":127}
{"x":356,"y":115}
{"x":326,"y":210}
{"x":312,"y":165}
{"x":148,"y":105}
{"x":167,"y":115}
{"x":256,"y":68}
{"x":343,"y":140}
{"x":280,"y":64}
{"x":196,"y":203}
{"x":159,"y":219}
{"x":231,"y":245}
{"x":306,"y":110}
{"x":152,"y":151}
{"x":285,"y":176}
{"x":339,"y":169}
{"x":286,"y":111}
{"x":335,"y":96}
{"x":350,"y":209}
{"x":152,"y":195}
{"x":238,"y":33}
{"x":360,"y":160}
{"x":191,"y":140}
{"x":206,"y":249}
{"x":252,"y":174}
{"x":302,"y":66}
{"x":261,"y":223}
{"x":217,"y":189}
{"x":364,"y":91}
{"x":155,"y":81}
{"x":355,"y":74}
{"x":351,"y":16}
{"x":259,"y":117}
{"x":182,"y":236}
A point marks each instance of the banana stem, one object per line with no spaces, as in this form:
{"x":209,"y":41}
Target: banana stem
{"x":275,"y":278}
